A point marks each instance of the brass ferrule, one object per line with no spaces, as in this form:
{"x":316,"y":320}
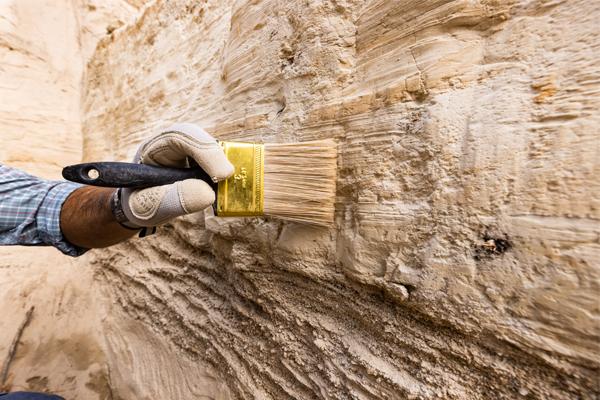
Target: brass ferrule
{"x":242,"y":194}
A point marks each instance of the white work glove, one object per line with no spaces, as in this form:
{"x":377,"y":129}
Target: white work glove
{"x":156,"y":205}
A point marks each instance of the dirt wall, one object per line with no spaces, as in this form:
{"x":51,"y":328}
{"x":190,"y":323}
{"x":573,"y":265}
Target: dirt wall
{"x":44,"y":46}
{"x":464,"y":258}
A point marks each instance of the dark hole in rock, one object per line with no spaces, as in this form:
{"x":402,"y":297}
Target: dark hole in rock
{"x":491,"y":247}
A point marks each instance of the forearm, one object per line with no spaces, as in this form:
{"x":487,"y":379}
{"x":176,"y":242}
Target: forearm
{"x":86,"y":219}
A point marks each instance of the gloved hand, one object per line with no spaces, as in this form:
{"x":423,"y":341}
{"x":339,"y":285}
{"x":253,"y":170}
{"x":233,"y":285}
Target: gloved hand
{"x":156,"y":205}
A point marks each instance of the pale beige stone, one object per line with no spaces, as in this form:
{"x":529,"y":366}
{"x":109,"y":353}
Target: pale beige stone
{"x":464,"y":258}
{"x":65,"y":348}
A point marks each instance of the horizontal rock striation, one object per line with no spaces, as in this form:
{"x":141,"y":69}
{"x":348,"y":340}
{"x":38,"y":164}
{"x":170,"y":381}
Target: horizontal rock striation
{"x":463,"y":261}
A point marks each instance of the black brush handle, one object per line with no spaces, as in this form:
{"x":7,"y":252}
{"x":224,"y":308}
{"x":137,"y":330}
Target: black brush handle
{"x":130,"y":175}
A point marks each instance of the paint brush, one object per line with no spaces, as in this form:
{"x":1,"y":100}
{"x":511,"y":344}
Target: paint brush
{"x":293,"y":181}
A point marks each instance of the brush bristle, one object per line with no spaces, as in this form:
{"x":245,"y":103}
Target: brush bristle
{"x":300,"y":181}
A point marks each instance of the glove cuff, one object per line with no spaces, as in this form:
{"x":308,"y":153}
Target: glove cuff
{"x":116,"y":207}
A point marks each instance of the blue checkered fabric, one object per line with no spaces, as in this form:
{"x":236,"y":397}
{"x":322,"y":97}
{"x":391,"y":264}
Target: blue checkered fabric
{"x":30,"y":210}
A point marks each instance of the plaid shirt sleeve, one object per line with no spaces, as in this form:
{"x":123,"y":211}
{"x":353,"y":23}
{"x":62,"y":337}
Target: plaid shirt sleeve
{"x":30,"y":211}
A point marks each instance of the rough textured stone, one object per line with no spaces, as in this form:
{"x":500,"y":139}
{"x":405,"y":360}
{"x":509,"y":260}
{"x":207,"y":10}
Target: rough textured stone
{"x":464,"y":259}
{"x":44,"y":46}
{"x":76,"y":345}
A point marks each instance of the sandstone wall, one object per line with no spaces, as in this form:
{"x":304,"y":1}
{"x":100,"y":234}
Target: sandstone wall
{"x":40,"y":74}
{"x":464,"y":259}
{"x":44,"y":46}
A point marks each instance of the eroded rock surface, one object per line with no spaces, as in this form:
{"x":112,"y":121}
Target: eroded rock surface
{"x":44,"y":46}
{"x":464,"y":258}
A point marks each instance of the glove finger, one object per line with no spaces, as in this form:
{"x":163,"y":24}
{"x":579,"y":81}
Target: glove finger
{"x":156,"y":205}
{"x":195,"y":195}
{"x":180,"y":141}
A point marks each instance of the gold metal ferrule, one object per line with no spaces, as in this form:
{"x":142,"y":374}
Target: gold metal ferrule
{"x":242,"y":194}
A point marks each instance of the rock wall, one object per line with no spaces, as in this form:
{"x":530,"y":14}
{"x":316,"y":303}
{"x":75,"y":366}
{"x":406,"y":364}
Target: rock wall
{"x":44,"y":46}
{"x":464,"y":258}
{"x":463,"y":262}
{"x":41,"y":69}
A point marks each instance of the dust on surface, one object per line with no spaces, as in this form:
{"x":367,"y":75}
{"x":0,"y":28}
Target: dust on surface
{"x":463,"y":261}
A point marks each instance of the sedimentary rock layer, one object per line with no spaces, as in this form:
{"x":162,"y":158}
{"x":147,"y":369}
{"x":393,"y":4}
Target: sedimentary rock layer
{"x":44,"y":46}
{"x":464,"y":258}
